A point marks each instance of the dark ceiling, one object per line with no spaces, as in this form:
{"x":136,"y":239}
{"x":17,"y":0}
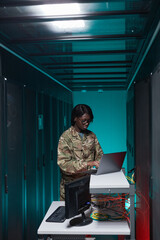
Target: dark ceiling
{"x":100,"y":49}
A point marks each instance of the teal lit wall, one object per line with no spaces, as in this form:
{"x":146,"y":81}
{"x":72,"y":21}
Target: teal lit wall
{"x":109,"y":125}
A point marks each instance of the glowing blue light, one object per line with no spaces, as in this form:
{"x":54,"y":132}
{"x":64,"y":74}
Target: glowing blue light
{"x":84,"y":90}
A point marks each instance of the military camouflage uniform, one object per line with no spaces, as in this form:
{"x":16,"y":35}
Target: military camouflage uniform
{"x":73,"y":154}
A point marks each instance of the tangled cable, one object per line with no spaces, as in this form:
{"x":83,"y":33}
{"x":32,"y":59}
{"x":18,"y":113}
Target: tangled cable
{"x":110,"y":207}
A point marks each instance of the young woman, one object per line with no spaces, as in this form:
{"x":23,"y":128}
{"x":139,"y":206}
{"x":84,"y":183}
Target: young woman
{"x":78,"y":148}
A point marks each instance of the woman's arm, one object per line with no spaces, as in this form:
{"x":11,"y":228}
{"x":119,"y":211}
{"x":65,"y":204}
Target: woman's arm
{"x":98,"y":150}
{"x":66,"y":161}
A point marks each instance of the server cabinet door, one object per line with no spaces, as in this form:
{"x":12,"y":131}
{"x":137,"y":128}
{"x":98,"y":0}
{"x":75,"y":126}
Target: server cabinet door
{"x":155,"y":176}
{"x":47,"y":151}
{"x":142,"y":157}
{"x":68,"y":114}
{"x":60,"y":119}
{"x":130,"y":133}
{"x":15,"y":162}
{"x":2,"y":192}
{"x":40,"y":154}
{"x":54,"y":137}
{"x":31,"y":197}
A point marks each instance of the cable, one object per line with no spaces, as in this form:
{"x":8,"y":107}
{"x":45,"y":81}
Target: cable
{"x":110,"y":207}
{"x":131,"y":179}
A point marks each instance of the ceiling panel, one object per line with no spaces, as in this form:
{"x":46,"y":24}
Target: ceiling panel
{"x":86,"y":45}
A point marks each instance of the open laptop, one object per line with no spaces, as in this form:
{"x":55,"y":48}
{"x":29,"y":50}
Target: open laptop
{"x":111,"y":162}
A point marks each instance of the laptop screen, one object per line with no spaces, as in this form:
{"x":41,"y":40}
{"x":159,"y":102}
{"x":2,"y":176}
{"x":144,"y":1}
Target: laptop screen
{"x":111,"y":162}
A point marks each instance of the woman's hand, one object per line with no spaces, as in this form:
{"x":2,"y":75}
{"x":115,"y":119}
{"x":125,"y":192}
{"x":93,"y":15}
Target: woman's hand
{"x":93,"y":163}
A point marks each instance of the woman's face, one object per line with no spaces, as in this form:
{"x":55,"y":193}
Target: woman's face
{"x":82,"y":123}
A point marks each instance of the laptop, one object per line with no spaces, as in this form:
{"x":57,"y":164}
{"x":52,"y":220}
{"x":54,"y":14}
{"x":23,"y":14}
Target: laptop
{"x":111,"y":162}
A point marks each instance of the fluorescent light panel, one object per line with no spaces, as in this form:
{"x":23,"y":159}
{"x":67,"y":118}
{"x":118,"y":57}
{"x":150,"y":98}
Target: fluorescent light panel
{"x":63,"y":10}
{"x":69,"y":24}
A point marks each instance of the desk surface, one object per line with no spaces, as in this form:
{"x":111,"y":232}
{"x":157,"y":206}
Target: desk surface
{"x":101,"y":183}
{"x":95,"y":228}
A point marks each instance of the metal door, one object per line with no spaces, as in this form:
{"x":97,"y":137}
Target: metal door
{"x":55,"y":137}
{"x":40,"y":158}
{"x":30,"y":166}
{"x":2,"y":158}
{"x":15,"y":170}
{"x":61,"y":128}
{"x":130,"y":132}
{"x":142,"y":158}
{"x":47,"y":151}
{"x":155,"y":175}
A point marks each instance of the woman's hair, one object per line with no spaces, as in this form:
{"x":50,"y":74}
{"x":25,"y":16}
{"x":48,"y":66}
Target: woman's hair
{"x":79,"y":110}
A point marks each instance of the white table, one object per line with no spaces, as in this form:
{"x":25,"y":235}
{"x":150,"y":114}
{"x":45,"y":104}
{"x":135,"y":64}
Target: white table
{"x":106,"y":183}
{"x":95,"y":228}
{"x":109,"y":183}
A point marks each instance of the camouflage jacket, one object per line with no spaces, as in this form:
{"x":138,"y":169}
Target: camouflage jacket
{"x":74,"y":152}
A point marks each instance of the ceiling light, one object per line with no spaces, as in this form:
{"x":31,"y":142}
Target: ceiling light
{"x":64,"y":10}
{"x":69,"y":24}
{"x":61,"y":9}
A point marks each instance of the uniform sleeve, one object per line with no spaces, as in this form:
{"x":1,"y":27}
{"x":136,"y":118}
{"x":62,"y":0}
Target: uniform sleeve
{"x":66,"y":162}
{"x":98,"y":150}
